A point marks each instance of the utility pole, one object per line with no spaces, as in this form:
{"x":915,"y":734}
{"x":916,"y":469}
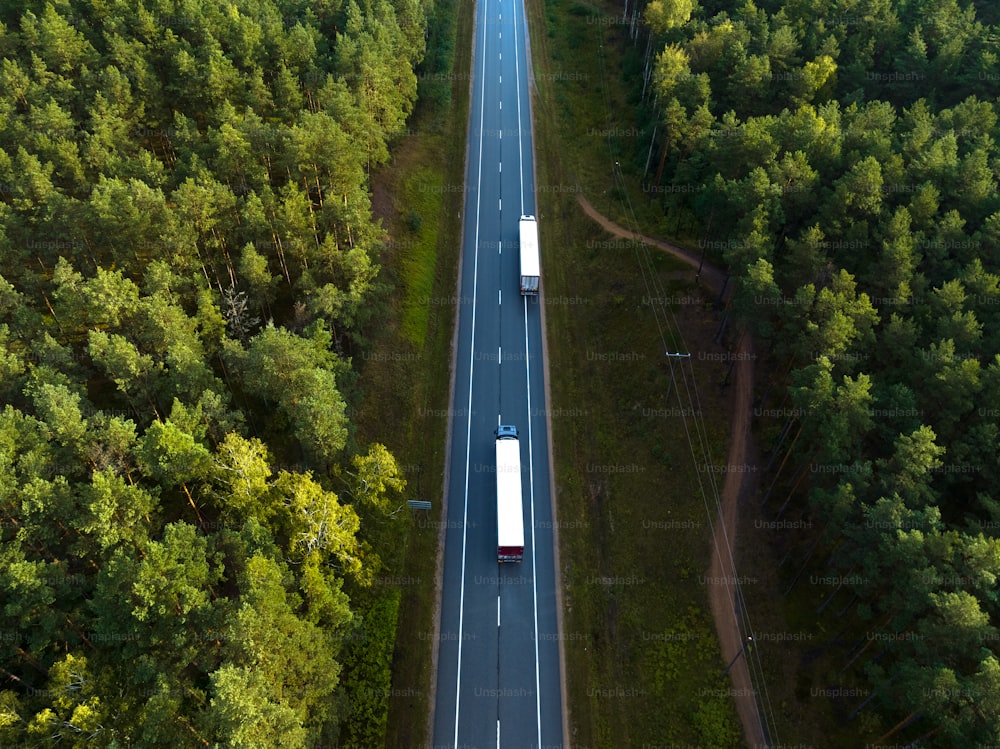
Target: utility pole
{"x":676,"y":356}
{"x":733,"y":661}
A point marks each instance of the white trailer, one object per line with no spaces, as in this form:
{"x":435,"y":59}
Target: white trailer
{"x":510,"y":514}
{"x":530,"y":262}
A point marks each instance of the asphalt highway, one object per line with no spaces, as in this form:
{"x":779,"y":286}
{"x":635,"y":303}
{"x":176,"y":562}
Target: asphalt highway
{"x":498,"y":679}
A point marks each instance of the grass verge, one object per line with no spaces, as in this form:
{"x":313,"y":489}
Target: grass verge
{"x":643,"y":662}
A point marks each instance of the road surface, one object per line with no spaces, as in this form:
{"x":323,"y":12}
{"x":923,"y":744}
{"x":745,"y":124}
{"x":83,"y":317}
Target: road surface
{"x":498,"y":678}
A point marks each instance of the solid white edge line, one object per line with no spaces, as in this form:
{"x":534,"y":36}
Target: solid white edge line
{"x":527,"y":369}
{"x":468,"y":428}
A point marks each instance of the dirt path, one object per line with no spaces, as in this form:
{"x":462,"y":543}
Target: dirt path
{"x":722,"y":596}
{"x":711,"y":276}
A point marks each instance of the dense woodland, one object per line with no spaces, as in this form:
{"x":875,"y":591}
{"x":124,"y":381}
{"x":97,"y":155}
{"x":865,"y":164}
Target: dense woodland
{"x":191,"y":538}
{"x":841,"y":158}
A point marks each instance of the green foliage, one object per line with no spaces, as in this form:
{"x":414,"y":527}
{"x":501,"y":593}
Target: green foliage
{"x":295,"y":375}
{"x":246,"y":713}
{"x":172,"y":552}
{"x":662,"y":15}
{"x":847,"y":182}
{"x":368,"y":673}
{"x":287,"y":664}
{"x":714,"y":723}
{"x":314,"y":520}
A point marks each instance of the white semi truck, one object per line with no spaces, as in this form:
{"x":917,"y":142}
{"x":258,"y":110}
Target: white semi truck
{"x":510,"y":514}
{"x":530,"y":262}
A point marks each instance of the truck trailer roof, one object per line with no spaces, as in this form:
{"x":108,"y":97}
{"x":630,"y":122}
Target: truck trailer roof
{"x":528,"y":234}
{"x":510,"y":519}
